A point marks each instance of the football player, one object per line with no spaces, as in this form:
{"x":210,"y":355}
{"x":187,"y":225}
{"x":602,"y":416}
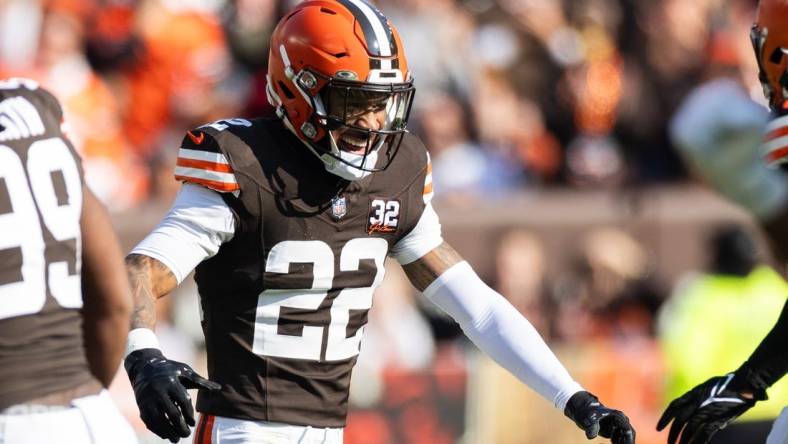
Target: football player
{"x":721,"y":132}
{"x":288,"y":221}
{"x":66,"y":300}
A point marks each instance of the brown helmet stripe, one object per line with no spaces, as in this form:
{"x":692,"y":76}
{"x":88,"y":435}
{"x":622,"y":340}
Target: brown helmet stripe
{"x":377,"y":33}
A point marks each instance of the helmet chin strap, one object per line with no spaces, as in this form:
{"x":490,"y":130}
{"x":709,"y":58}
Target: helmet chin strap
{"x":351,"y":166}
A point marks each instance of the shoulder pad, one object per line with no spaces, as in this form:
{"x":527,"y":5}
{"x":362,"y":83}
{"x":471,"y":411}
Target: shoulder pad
{"x":34,"y":109}
{"x":201,"y":161}
{"x":415,"y":160}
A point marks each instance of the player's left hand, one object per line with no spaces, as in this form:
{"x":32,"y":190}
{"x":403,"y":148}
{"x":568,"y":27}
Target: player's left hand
{"x":160,"y":389}
{"x":706,"y":409}
{"x":597,"y":420}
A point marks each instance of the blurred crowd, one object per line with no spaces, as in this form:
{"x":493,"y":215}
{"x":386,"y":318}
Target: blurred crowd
{"x":511,"y":95}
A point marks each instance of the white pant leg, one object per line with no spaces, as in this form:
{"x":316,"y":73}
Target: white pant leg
{"x":91,"y":420}
{"x":779,"y":433}
{"x":63,"y":426}
{"x":104,"y":421}
{"x":239,"y":431}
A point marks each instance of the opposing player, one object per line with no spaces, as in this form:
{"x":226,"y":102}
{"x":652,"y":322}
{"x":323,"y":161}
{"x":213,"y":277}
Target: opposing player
{"x":66,"y":300}
{"x":288,"y":222}
{"x":720,"y":131}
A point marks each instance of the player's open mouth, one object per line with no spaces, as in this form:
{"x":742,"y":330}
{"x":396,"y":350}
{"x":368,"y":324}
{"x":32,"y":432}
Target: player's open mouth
{"x":353,"y":144}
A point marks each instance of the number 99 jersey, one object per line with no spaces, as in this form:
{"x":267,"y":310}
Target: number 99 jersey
{"x":285,"y":301}
{"x":41,"y":349}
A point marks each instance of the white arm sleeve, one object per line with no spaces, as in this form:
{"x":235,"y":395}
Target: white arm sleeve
{"x":198,"y":223}
{"x":497,"y":328}
{"x":424,"y":237}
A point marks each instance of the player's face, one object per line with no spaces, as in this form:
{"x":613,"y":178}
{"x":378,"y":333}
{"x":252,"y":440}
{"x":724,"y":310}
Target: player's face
{"x":360,"y":111}
{"x":355,"y":141}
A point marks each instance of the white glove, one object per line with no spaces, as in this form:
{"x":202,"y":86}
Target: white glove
{"x":719,"y":130}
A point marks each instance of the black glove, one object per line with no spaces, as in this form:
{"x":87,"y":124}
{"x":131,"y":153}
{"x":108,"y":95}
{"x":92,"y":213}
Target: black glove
{"x":709,"y":407}
{"x":160,"y":388}
{"x":595,"y":419}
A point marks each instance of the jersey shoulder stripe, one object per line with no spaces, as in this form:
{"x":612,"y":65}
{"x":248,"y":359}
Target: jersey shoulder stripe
{"x":775,"y":144}
{"x":428,"y":191}
{"x":201,"y":162}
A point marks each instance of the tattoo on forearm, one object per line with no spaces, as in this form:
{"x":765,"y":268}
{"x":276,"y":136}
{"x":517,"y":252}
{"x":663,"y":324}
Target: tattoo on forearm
{"x":144,"y":314}
{"x":423,"y":271}
{"x":146,"y":288}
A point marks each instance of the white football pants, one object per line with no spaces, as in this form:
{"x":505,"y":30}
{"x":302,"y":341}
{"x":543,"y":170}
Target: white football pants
{"x":779,"y":433}
{"x":220,"y":430}
{"x":91,"y":419}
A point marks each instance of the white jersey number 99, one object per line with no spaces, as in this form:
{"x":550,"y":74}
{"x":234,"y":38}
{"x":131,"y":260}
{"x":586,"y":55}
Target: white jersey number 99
{"x":31,"y":191}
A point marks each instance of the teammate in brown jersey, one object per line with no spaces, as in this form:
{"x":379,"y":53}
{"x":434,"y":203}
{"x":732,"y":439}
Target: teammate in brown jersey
{"x":288,"y":222}
{"x":65,"y":296}
{"x":726,"y":137}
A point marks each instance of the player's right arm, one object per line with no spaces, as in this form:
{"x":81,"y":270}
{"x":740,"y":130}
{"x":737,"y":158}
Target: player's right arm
{"x":194,"y":229}
{"x":159,"y":383}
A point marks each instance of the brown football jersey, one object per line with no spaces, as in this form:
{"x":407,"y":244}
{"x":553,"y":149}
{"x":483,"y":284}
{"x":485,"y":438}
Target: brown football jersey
{"x":285,"y":301}
{"x":41,"y":349}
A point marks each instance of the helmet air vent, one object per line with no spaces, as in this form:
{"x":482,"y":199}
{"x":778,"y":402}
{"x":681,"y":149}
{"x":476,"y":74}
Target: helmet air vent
{"x":325,"y":10}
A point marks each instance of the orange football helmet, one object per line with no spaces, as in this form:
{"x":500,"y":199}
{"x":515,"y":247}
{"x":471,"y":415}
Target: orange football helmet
{"x":330,"y":60}
{"x":769,"y":36}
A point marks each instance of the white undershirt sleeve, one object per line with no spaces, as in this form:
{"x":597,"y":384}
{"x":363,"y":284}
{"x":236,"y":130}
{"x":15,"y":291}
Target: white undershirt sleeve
{"x":198,"y":223}
{"x":424,"y":237}
{"x":499,"y":330}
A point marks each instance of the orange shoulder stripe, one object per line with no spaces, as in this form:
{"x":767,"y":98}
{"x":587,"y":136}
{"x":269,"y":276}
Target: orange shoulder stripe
{"x":776,"y":155}
{"x":777,"y":133}
{"x":212,"y":184}
{"x":204,"y":165}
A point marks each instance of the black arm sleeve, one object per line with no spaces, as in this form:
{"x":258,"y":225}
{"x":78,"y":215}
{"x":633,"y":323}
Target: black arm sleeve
{"x":769,"y":362}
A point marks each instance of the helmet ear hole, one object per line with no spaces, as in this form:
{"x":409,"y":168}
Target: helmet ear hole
{"x":776,"y":56}
{"x":289,"y":94}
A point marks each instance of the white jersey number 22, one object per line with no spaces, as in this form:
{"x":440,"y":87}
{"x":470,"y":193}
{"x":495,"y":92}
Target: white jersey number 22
{"x":267,"y":340}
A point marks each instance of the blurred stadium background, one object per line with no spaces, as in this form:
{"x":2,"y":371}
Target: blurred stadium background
{"x":555,"y":176}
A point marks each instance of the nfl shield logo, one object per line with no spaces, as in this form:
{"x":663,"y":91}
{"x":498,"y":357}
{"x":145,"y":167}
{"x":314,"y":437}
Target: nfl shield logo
{"x":338,"y":208}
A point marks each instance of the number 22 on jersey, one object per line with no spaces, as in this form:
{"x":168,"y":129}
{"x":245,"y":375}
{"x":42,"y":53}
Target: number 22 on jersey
{"x":267,"y":340}
{"x":30,"y":190}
